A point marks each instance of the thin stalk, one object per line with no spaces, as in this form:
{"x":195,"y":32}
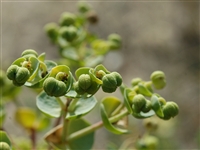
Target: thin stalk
{"x":96,"y":126}
{"x":33,"y":138}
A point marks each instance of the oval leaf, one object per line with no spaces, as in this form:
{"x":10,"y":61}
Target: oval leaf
{"x":109,"y":125}
{"x":156,"y":106}
{"x":5,"y":138}
{"x":82,"y":107}
{"x":48,"y":105}
{"x":126,"y":100}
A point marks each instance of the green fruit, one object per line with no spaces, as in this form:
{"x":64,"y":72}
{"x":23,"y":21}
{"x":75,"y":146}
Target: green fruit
{"x":67,"y":19}
{"x":12,"y":71}
{"x":54,"y":87}
{"x":158,"y":79}
{"x":78,"y":90}
{"x":84,"y":81}
{"x":170,"y":109}
{"x":68,"y":33}
{"x":52,"y":31}
{"x":135,"y":81}
{"x":22,"y":75}
{"x":118,"y":78}
{"x":138,"y":102}
{"x":4,"y":146}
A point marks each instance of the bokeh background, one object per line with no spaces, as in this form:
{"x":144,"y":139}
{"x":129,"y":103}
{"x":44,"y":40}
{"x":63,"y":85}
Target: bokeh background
{"x":157,"y":35}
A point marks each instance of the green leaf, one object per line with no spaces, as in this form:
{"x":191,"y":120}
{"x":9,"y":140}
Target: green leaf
{"x":142,"y":115}
{"x":34,"y":67}
{"x":19,"y":61}
{"x":41,"y":57}
{"x":110,"y":104}
{"x":82,"y":107}
{"x":94,"y":78}
{"x":92,"y":61}
{"x":82,"y":70}
{"x":109,"y":125}
{"x":156,"y":106}
{"x":48,"y":105}
{"x":42,"y":123}
{"x":143,"y":90}
{"x":127,"y":101}
{"x":26,"y":117}
{"x":57,"y":69}
{"x":83,"y":143}
{"x":5,"y":138}
{"x":70,"y":53}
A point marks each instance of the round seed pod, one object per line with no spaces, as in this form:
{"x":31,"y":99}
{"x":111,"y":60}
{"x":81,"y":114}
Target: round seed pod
{"x":68,"y":33}
{"x":138,"y":102}
{"x":52,"y":31}
{"x":54,"y":87}
{"x":114,"y":41}
{"x":170,"y":109}
{"x":158,"y":79}
{"x":93,"y":88}
{"x":22,"y":75}
{"x":118,"y":78}
{"x":12,"y":71}
{"x":67,"y":19}
{"x":4,"y":146}
{"x":135,"y":81}
{"x":84,"y":81}
{"x":147,"y":107}
{"x":78,"y":90}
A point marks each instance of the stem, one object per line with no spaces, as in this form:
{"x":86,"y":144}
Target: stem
{"x":33,"y":138}
{"x":73,"y":104}
{"x":95,"y":126}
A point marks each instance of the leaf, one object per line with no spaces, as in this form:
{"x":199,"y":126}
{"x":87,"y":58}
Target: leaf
{"x":94,"y":78}
{"x":19,"y":61}
{"x":70,"y":53}
{"x":48,"y":105}
{"x":59,"y":68}
{"x":110,"y":104}
{"x":26,"y":117}
{"x":142,"y":115}
{"x":42,"y":123}
{"x":82,"y":107}
{"x":34,"y":67}
{"x":41,"y":57}
{"x":127,"y":101}
{"x":82,"y":143}
{"x":156,"y":106}
{"x":109,"y":125}
{"x":4,"y":138}
{"x":82,"y":70}
{"x":92,"y":61}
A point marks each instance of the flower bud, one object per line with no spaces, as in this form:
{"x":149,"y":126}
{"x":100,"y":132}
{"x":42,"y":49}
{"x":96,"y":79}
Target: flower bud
{"x":52,"y":31}
{"x":12,"y":71}
{"x":93,"y":88}
{"x":78,"y":90}
{"x":147,"y":143}
{"x":147,"y":107}
{"x":68,"y":33}
{"x":118,"y":78}
{"x":138,"y":102}
{"x":170,"y":109}
{"x":29,"y":53}
{"x":158,"y":79}
{"x":54,"y":87}
{"x":67,"y":19}
{"x":115,"y":41}
{"x":83,"y":7}
{"x":4,"y":146}
{"x":109,"y":83}
{"x":84,"y":81}
{"x":135,"y":81}
{"x":22,"y":75}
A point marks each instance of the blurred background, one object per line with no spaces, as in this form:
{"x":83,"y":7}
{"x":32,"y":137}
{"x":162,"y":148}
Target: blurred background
{"x":156,"y":35}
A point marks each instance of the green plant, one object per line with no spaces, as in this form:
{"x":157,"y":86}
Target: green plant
{"x":66,"y":89}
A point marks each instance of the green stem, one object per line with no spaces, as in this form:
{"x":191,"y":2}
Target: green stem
{"x":96,"y":126}
{"x":73,"y":104}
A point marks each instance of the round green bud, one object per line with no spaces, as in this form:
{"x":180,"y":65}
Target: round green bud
{"x":68,"y":33}
{"x":12,"y":71}
{"x":158,"y":79}
{"x":78,"y":90}
{"x":135,"y":81}
{"x":147,"y":143}
{"x":118,"y":78}
{"x":67,"y":19}
{"x":147,"y":107}
{"x":138,"y":102}
{"x":54,"y":87}
{"x":22,"y":75}
{"x":108,"y":89}
{"x":52,"y":31}
{"x":148,"y":85}
{"x":83,"y":7}
{"x":162,"y":100}
{"x":114,"y":41}
{"x":170,"y":109}
{"x":84,"y":81}
{"x":109,"y":81}
{"x":93,"y":88}
{"x":4,"y":146}
{"x":29,"y":52}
